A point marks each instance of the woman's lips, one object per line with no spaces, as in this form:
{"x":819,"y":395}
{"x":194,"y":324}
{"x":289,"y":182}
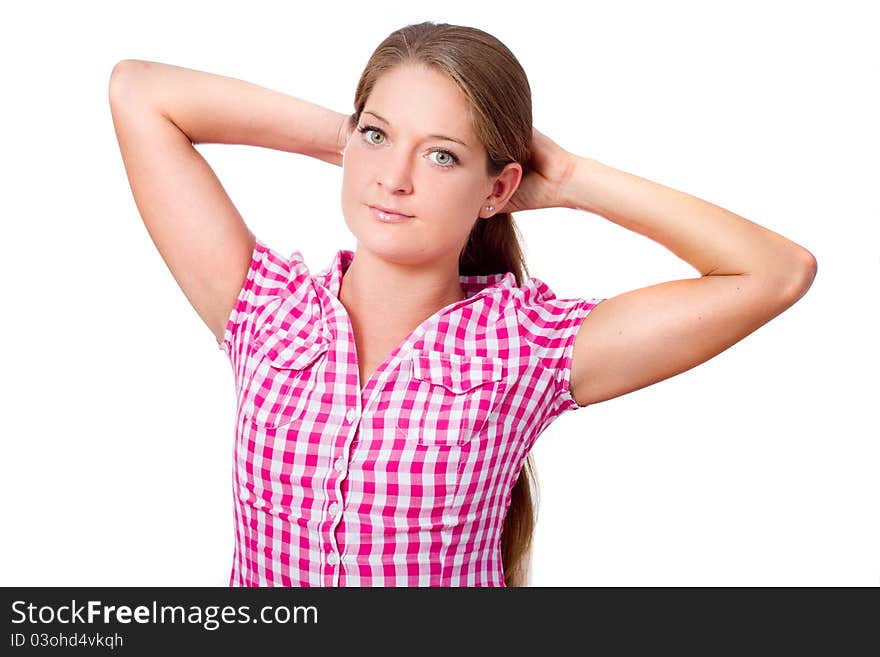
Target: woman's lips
{"x":389,"y":217}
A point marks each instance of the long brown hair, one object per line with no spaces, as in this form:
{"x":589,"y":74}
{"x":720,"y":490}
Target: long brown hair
{"x":500,"y":102}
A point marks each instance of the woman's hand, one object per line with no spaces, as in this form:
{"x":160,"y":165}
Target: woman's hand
{"x":544,"y":177}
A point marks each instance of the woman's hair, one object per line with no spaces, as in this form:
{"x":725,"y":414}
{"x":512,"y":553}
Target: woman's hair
{"x":500,"y":110}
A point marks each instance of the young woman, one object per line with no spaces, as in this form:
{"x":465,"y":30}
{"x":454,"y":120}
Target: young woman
{"x":387,"y":405}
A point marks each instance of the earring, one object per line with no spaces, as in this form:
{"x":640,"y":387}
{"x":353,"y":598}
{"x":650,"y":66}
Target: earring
{"x":490,"y":207}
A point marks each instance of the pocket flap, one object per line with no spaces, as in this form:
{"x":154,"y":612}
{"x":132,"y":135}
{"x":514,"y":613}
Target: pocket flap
{"x":456,"y":373}
{"x":294,"y":355}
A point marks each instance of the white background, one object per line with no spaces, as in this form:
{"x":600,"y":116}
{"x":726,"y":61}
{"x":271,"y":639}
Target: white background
{"x":758,"y":468}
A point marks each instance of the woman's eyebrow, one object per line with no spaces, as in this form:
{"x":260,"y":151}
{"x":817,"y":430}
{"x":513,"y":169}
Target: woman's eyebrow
{"x":458,"y":141}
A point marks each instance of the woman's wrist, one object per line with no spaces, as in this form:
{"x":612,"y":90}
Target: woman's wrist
{"x":573,"y":189}
{"x":343,"y":134}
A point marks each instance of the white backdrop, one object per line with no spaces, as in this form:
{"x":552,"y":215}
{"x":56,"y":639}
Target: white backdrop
{"x":758,"y":468}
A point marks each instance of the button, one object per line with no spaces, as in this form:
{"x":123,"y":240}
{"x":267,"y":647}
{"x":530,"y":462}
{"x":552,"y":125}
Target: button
{"x":333,"y":559}
{"x":351,"y":416}
{"x":334,"y":509}
{"x":339,"y":465}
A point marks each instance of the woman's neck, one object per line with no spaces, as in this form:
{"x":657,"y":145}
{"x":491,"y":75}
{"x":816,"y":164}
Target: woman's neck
{"x":378,"y":291}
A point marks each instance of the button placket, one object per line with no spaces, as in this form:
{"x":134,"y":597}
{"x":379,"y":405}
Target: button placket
{"x":339,"y":464}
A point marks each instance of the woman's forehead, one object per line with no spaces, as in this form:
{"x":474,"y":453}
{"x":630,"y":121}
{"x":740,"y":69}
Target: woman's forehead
{"x":424,"y":101}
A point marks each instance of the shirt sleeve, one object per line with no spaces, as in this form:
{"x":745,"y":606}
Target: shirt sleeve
{"x":550,"y":326}
{"x":270,"y":279}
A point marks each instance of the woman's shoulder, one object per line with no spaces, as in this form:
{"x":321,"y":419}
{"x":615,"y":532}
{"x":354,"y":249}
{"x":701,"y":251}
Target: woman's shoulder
{"x":273,"y":282}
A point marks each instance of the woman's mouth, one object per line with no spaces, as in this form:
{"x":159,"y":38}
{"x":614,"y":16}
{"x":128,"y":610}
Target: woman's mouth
{"x":389,"y":217}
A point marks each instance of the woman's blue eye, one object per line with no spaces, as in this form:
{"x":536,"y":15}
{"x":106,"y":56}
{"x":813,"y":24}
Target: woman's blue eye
{"x":445,"y":153}
{"x":453,"y":158}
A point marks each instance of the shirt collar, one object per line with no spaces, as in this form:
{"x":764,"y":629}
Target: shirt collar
{"x":474,"y":286}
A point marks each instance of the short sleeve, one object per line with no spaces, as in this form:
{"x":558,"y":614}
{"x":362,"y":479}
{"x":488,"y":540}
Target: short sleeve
{"x":550,"y":326}
{"x":270,"y":279}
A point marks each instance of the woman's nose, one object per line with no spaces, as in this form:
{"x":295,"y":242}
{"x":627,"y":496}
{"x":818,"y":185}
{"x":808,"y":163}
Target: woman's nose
{"x":395,"y":173}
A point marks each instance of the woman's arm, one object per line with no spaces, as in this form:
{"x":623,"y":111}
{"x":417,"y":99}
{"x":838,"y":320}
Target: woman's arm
{"x":159,"y":111}
{"x":749,"y":275}
{"x":715,"y":241}
{"x":215,"y":109}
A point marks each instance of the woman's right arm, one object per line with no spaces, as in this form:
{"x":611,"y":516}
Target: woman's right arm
{"x":159,"y":111}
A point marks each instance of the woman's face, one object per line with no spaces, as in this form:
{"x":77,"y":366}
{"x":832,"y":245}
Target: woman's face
{"x":399,"y":162}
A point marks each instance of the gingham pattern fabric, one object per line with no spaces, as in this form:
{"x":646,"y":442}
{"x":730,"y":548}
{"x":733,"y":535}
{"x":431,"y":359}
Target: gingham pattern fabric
{"x":406,"y":482}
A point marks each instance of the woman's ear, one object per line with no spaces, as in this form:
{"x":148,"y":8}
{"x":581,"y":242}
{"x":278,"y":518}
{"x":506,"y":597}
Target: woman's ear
{"x":505,"y":185}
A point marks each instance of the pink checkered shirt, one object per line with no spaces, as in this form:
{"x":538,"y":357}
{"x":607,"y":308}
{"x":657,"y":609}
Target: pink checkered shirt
{"x":407,"y":482}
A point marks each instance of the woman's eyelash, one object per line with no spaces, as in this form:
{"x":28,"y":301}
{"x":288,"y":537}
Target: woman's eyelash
{"x":368,"y":128}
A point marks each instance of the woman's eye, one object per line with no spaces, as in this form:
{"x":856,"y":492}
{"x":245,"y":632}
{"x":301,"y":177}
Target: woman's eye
{"x":369,"y":129}
{"x":447,"y":158}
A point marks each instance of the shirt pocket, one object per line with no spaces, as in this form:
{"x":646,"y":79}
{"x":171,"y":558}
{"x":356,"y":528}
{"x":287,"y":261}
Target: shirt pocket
{"x":270,"y":474}
{"x":285,"y":384}
{"x":449,"y":398}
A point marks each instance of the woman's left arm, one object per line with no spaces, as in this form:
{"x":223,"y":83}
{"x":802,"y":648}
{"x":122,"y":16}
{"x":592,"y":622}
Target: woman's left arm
{"x":715,"y":241}
{"x":749,"y":275}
